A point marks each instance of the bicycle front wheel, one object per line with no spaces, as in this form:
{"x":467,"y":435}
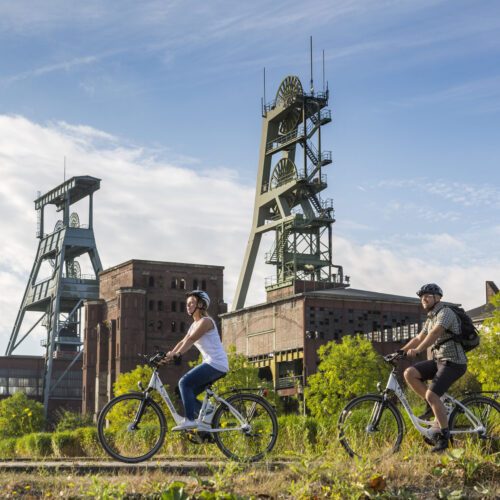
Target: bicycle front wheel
{"x":131,"y":428}
{"x":487,"y":411}
{"x":252,"y":440}
{"x":370,"y":426}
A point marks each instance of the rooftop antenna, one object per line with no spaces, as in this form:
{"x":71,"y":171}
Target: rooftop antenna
{"x":264,"y":111}
{"x":311,"y":59}
{"x":323,"y":70}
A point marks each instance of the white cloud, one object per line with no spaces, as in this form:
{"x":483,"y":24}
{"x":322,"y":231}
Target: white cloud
{"x":150,"y":207}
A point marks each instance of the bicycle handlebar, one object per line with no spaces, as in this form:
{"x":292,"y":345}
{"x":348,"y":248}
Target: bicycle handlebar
{"x":395,"y":356}
{"x":154,"y":360}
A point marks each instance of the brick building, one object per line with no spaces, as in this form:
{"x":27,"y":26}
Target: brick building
{"x":141,"y":307}
{"x":22,"y":373}
{"x":282,"y":336}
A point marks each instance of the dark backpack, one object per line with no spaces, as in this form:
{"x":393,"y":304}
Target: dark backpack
{"x":469,"y":336}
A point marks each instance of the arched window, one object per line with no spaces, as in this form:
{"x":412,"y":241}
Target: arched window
{"x":204,"y":285}
{"x":151,"y":281}
{"x":174,"y":306}
{"x":183,"y":284}
{"x":195,"y":284}
{"x":173,"y":283}
{"x":173,"y":326}
{"x":160,"y":305}
{"x":151,"y":305}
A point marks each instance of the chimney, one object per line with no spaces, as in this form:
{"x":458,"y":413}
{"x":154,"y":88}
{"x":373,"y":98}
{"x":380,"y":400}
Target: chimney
{"x":491,"y":289}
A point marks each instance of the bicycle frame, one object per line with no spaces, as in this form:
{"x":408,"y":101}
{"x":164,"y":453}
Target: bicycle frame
{"x":425,"y":427}
{"x":155,"y":383}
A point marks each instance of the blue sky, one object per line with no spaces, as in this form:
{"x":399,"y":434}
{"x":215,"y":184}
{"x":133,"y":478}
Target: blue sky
{"x":162,"y":101}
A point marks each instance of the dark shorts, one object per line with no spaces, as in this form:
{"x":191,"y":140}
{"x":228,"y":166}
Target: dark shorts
{"x":442,"y":374}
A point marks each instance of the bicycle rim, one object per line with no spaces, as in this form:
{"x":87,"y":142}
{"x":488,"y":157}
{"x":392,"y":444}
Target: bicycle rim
{"x":370,"y":427}
{"x":259,"y":438}
{"x":487,"y":411}
{"x":124,"y":441}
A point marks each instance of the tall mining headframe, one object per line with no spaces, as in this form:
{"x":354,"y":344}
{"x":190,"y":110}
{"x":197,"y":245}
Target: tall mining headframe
{"x":58,"y":297}
{"x":288,"y":199}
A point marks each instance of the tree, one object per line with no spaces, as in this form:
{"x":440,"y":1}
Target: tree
{"x":127,"y":382}
{"x":346,"y":369}
{"x":242,"y":374}
{"x":484,"y":361}
{"x":20,"y":415}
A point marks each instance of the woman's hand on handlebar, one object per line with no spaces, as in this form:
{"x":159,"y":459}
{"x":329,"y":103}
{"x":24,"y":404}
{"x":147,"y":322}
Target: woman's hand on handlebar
{"x":169,"y":357}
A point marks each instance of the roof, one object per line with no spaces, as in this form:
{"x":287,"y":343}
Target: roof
{"x":339,"y":294}
{"x":161,"y":263}
{"x":481,"y":313}
{"x":354,"y":294}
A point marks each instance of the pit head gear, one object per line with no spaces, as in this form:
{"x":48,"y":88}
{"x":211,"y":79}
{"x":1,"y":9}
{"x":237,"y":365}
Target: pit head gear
{"x":431,"y":289}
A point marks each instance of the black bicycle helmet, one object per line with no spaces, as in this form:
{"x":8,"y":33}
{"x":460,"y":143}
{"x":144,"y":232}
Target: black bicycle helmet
{"x":430,"y":288}
{"x":201,"y":295}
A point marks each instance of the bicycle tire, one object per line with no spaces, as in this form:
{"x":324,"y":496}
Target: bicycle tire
{"x":126,"y":444}
{"x":362,"y":434}
{"x":258,"y":440}
{"x":487,"y":410}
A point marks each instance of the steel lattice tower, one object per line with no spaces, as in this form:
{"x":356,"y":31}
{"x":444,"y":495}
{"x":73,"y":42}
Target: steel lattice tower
{"x":287,"y":199}
{"x":60,"y":297}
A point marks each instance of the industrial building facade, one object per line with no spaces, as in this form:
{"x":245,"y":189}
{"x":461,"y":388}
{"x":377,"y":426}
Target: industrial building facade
{"x":23,"y":373}
{"x":282,"y":336}
{"x":141,"y":308}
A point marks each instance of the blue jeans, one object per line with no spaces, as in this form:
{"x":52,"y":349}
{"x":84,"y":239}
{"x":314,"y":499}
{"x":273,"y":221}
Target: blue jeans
{"x":193,"y":383}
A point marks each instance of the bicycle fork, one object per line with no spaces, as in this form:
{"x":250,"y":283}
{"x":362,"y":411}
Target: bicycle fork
{"x":375,"y":416}
{"x":138,"y":415}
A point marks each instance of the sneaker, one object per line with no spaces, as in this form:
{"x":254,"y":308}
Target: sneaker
{"x":185,"y":425}
{"x":442,"y":442}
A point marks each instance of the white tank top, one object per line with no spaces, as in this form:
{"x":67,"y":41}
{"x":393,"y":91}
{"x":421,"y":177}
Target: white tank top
{"x":211,"y":349}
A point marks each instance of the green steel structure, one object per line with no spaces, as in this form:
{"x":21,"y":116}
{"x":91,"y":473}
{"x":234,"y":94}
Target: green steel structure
{"x":287,"y":200}
{"x":60,"y":296}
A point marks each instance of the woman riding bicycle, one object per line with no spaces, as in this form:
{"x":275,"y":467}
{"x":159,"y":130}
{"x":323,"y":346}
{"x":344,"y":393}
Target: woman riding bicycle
{"x":203,"y":334}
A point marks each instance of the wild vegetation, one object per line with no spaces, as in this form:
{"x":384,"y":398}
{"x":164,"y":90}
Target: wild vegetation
{"x":313,"y":464}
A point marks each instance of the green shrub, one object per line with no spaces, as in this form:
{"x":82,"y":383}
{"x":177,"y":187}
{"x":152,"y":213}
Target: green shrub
{"x":8,"y":447}
{"x":297,"y":434}
{"x":89,"y":442}
{"x":66,"y":444}
{"x":20,"y":415}
{"x":346,"y":369}
{"x":69,"y":420}
{"x":35,"y":445}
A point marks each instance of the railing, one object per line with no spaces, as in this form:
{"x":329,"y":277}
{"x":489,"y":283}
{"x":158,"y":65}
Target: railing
{"x":81,"y":277}
{"x":287,"y":382}
{"x":270,"y":105}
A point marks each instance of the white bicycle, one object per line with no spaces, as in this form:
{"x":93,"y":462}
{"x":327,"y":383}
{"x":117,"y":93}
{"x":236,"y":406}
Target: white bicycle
{"x":132,"y":427}
{"x":372,"y":423}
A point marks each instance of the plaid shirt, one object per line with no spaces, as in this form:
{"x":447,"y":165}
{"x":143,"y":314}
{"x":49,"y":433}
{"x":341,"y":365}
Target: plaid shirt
{"x":451,"y":350}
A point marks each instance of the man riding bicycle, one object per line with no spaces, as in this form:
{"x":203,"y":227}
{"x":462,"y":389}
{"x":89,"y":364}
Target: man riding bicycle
{"x":448,"y":362}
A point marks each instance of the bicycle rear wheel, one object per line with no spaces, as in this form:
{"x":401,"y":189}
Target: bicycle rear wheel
{"x":370,"y":426}
{"x":487,"y":411}
{"x":256,"y":438}
{"x":131,"y":428}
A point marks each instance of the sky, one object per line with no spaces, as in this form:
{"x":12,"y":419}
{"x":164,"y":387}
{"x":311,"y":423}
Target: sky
{"x":162,"y":101}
